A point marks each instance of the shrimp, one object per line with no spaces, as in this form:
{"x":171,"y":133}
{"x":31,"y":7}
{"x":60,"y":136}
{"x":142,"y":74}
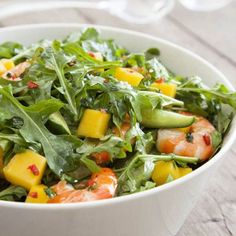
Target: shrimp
{"x":15,"y":73}
{"x":197,"y":142}
{"x":101,"y":185}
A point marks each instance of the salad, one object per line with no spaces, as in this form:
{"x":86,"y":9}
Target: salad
{"x":84,"y":119}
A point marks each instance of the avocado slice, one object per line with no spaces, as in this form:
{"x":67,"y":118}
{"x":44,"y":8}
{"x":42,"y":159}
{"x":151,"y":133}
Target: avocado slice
{"x":165,"y":119}
{"x":57,"y":124}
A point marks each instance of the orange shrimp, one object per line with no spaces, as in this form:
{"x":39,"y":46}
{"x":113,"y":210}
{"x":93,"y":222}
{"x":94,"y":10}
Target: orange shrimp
{"x":101,"y":185}
{"x":198,"y":144}
{"x":15,"y":73}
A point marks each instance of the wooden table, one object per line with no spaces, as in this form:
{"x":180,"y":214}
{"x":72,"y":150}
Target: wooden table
{"x":212,"y":36}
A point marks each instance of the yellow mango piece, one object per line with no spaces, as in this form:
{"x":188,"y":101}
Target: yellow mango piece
{"x":167,"y":89}
{"x":184,"y":171}
{"x":128,"y":75}
{"x":3,"y":69}
{"x":93,"y":124}
{"x":37,"y":194}
{"x":184,"y":129}
{"x":8,"y":63}
{"x":163,"y":170}
{"x":25,"y":169}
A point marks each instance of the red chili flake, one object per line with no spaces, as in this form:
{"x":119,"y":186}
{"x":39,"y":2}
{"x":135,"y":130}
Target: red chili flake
{"x":207,"y":139}
{"x":33,"y":194}
{"x":91,"y":54}
{"x":160,"y":81}
{"x":101,"y":157}
{"x":32,"y":85}
{"x":90,"y":182}
{"x":34,"y":169}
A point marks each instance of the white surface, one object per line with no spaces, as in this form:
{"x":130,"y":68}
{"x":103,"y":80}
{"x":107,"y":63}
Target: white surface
{"x":134,"y":11}
{"x":160,"y":211}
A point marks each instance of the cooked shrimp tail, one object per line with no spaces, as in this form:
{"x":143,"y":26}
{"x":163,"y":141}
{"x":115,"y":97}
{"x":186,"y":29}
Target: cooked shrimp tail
{"x":101,"y":185}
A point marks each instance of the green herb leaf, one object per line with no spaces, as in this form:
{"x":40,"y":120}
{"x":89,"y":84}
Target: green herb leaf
{"x":13,"y":193}
{"x":57,"y":151}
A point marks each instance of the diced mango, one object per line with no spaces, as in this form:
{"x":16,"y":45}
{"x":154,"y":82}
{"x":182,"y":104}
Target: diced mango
{"x":93,"y":124}
{"x":25,"y":169}
{"x":37,"y":194}
{"x":163,"y":170}
{"x":167,"y":89}
{"x":184,"y":129}
{"x":8,"y":63}
{"x":128,"y":75}
{"x":184,"y":171}
{"x":3,"y":69}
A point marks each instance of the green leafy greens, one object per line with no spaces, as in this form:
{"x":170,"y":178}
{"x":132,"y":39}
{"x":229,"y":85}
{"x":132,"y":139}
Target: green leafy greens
{"x":42,"y":110}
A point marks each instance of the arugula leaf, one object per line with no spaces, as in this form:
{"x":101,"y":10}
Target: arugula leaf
{"x":13,"y":193}
{"x":217,"y":104}
{"x":219,"y":92}
{"x":134,"y":60}
{"x":57,"y":151}
{"x":156,"y":69}
{"x":115,"y":146}
{"x":56,"y":60}
{"x":84,"y":58}
{"x":15,"y":138}
{"x":9,"y":49}
{"x":89,"y":34}
{"x":149,"y":99}
{"x":152,"y":53}
{"x":138,"y":171}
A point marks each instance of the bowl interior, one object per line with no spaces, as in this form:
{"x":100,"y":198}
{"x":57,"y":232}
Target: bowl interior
{"x":177,"y":59}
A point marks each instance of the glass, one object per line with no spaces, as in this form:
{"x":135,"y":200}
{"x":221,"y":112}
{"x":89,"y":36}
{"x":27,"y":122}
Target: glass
{"x":204,"y":5}
{"x":134,"y":11}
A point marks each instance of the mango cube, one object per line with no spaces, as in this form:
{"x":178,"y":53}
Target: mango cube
{"x":8,"y":63}
{"x":25,"y":169}
{"x":128,"y":75}
{"x":3,"y":69}
{"x":93,"y":124}
{"x":184,"y":171}
{"x":167,"y":89}
{"x":164,"y":169}
{"x":37,"y":194}
{"x":184,"y":129}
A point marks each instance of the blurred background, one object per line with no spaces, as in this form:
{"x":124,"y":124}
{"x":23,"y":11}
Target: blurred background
{"x":206,"y":27}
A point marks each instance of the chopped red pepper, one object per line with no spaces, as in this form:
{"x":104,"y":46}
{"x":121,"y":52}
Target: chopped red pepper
{"x":207,"y":139}
{"x":101,"y":157}
{"x":33,"y":194}
{"x":91,"y":182}
{"x":32,"y":85}
{"x":160,"y":81}
{"x":34,"y":169}
{"x":91,"y":54}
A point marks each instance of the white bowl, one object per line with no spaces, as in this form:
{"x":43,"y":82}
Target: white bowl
{"x":160,"y":211}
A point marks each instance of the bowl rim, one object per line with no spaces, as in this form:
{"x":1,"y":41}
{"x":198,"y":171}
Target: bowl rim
{"x":134,"y":196}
